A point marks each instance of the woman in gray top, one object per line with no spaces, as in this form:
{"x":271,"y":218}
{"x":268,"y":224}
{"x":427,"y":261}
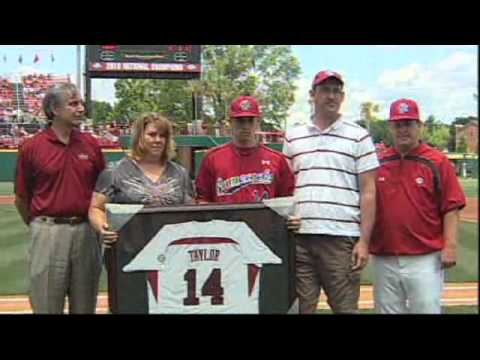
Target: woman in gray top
{"x":148,"y":176}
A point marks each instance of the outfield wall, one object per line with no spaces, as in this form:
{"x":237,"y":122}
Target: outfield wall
{"x":190,"y":151}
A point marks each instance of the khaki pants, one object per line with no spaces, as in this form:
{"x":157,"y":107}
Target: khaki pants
{"x":324,"y":261}
{"x":64,"y":260}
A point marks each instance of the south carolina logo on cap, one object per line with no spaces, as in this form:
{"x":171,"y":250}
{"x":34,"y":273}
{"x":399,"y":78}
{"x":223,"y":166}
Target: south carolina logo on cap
{"x":419,"y":180}
{"x":403,"y":108}
{"x":246,"y":105}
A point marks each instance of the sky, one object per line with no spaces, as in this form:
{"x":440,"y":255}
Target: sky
{"x":441,"y":78}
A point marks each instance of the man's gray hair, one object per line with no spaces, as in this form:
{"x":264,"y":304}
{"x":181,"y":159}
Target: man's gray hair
{"x":56,"y":96}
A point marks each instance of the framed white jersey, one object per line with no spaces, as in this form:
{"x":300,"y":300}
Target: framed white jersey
{"x":203,"y":267}
{"x":209,"y":259}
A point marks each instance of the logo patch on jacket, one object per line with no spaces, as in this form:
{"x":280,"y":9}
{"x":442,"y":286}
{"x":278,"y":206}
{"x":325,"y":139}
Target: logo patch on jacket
{"x":420,"y":180}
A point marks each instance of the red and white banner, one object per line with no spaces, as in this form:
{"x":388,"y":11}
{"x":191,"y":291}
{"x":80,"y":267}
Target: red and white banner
{"x":145,"y":67}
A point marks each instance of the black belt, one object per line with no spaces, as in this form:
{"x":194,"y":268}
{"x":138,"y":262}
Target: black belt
{"x":74,"y":220}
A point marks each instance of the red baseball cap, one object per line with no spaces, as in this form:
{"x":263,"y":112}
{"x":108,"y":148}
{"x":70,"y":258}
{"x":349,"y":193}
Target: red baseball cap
{"x":404,"y":109}
{"x":245,"y":106}
{"x":324,"y":75}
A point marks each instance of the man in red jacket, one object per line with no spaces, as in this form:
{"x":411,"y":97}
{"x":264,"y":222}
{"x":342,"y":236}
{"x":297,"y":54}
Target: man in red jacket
{"x":418,"y":203}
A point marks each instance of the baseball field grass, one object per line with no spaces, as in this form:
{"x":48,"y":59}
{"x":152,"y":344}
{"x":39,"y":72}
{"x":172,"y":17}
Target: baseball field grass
{"x":14,"y":241}
{"x":6,"y":188}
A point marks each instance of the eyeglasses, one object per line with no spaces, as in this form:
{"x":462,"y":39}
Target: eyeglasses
{"x":335,"y":90}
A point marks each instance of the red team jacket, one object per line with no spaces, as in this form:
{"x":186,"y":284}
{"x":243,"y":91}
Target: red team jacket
{"x":413,"y":195}
{"x":233,"y":175}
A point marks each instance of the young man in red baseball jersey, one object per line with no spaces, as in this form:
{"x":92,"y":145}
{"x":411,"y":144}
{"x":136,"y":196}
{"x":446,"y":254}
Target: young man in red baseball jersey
{"x":418,"y":203}
{"x":244,"y":171}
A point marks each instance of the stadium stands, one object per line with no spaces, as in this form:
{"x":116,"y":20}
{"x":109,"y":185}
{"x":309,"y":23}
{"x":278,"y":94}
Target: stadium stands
{"x":7,"y":99}
{"x":34,"y":88}
{"x":25,"y":97}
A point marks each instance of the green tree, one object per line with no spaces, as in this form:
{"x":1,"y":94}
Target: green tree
{"x":430,"y":121}
{"x":380,"y":132}
{"x":439,"y":136}
{"x":369,"y":113}
{"x":102,"y":111}
{"x":378,"y":128}
{"x":170,"y":97}
{"x":265,"y":71}
{"x":436,"y":133}
{"x":369,"y":110}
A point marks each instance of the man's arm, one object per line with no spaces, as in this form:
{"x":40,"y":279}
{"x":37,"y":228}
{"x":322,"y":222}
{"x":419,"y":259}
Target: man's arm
{"x":23,"y":186}
{"x":450,"y":232}
{"x":453,"y":200}
{"x":22,"y":205}
{"x":367,"y":211}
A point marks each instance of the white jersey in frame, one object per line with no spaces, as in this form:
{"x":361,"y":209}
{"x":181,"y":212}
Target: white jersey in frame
{"x":203,"y":267}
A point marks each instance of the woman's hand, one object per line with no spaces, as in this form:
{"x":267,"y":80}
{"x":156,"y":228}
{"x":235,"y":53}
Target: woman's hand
{"x":109,"y":238}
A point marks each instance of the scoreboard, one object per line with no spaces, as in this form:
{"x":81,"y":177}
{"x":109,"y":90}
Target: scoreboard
{"x":144,"y":61}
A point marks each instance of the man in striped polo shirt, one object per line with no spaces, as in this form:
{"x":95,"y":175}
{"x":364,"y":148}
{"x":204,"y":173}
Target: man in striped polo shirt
{"x":334,"y":161}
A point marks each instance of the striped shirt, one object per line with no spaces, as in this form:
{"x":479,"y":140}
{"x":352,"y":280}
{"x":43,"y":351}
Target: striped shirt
{"x":327,"y":165}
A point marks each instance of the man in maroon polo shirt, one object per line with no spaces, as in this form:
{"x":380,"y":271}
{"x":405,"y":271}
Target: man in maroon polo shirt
{"x":56,"y":174}
{"x":415,"y":235}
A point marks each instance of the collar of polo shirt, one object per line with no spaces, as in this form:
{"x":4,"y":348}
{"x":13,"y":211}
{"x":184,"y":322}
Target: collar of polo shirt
{"x":336,"y":124}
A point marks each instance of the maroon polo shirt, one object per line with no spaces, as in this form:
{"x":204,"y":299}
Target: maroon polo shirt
{"x":413,"y":195}
{"x":58,"y":179}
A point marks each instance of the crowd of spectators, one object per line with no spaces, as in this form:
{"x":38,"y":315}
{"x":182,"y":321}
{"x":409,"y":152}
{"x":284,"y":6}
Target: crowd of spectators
{"x":13,"y":132}
{"x":34,"y":88}
{"x":7,"y":98}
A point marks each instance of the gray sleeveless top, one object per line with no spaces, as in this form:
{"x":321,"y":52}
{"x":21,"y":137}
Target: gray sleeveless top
{"x":125,"y":183}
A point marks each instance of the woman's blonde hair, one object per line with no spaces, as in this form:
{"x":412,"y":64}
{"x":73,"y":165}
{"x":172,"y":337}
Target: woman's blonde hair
{"x":164,"y":126}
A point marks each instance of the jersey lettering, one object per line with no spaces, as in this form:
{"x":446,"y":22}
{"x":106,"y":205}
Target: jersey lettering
{"x":212,"y":287}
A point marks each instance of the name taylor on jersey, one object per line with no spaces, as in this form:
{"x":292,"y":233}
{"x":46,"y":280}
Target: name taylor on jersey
{"x":204,"y":255}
